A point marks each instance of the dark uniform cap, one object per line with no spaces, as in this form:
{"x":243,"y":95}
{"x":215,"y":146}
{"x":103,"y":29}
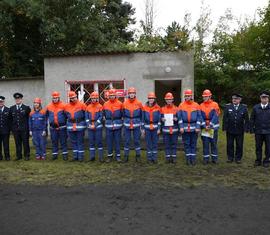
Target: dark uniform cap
{"x":17,"y":95}
{"x":264,"y":94}
{"x":236,"y":95}
{"x":2,"y":98}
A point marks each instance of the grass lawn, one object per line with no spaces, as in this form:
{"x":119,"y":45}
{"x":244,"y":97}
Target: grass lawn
{"x":68,"y":173}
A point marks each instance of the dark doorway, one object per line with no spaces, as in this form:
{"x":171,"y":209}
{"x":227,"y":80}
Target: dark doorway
{"x":164,"y":86}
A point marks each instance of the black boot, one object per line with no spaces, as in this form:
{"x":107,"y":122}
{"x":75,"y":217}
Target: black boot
{"x":138,"y":158}
{"x":205,"y":161}
{"x":125,"y":159}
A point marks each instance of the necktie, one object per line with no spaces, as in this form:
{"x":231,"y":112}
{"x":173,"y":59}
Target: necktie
{"x":236,"y":107}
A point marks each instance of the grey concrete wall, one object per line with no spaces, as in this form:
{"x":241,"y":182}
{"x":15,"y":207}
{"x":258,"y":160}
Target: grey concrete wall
{"x":139,"y":69}
{"x":29,"y":88}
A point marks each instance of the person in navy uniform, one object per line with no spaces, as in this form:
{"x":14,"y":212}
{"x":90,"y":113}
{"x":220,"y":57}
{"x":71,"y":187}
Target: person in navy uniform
{"x":20,"y":126}
{"x":260,"y":126}
{"x":235,"y":123}
{"x":4,"y":129}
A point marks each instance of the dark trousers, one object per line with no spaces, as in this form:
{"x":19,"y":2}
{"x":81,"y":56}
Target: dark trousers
{"x":4,"y":141}
{"x":22,"y":140}
{"x":260,"y":139}
{"x":235,"y":153}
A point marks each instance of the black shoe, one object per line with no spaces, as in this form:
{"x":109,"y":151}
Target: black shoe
{"x":167,"y":160}
{"x":155,"y":161}
{"x":54,"y":158}
{"x":65,"y":158}
{"x":214,"y":161}
{"x":193,"y":162}
{"x":74,"y":160}
{"x":238,"y":161}
{"x":18,"y":159}
{"x":80,"y":160}
{"x":173,"y":161}
{"x":138,"y":158}
{"x":7,"y":158}
{"x":229,"y":160}
{"x":92,"y":159}
{"x":188,"y":162}
{"x":266,"y":164}
{"x":125,"y":159}
{"x":205,"y":161}
{"x":1,"y":158}
{"x":257,"y":163}
{"x":101,"y":160}
{"x":149,"y":161}
{"x":27,"y":158}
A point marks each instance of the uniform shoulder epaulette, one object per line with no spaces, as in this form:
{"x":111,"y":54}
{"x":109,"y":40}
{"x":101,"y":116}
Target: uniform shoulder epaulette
{"x":244,"y":105}
{"x":228,"y":104}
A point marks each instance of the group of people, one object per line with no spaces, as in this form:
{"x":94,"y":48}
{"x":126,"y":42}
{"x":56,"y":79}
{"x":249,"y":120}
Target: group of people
{"x":189,"y":119}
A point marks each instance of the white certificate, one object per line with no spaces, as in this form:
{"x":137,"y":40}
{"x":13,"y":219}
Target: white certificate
{"x":168,"y":119}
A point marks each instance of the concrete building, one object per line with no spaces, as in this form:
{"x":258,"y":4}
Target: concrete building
{"x":84,"y":72}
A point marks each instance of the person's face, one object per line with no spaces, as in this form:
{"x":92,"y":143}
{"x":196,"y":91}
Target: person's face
{"x":94,"y":100}
{"x":169,"y":101}
{"x":188,"y":97}
{"x":2,"y":103}
{"x":36,"y":105}
{"x":236,"y":101}
{"x":18,"y":101}
{"x":74,"y":99}
{"x":206,"y":98}
{"x":132,"y":95}
{"x":151,"y":101}
{"x":112,"y":97}
{"x":264,"y":99}
{"x":55,"y":100}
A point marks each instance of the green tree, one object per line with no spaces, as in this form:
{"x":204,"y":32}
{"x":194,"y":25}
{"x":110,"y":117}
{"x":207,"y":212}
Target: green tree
{"x":30,"y":28}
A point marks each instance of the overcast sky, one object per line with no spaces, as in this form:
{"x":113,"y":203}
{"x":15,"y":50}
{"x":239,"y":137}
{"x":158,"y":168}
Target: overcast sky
{"x":174,"y":10}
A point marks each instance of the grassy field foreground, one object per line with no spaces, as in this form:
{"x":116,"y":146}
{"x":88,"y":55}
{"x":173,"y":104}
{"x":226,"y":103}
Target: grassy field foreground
{"x":68,"y":173}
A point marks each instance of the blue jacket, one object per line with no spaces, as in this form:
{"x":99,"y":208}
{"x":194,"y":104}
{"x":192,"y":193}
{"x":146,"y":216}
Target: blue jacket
{"x":151,"y":117}
{"x":38,"y":121}
{"x":260,"y":120}
{"x":113,"y":113}
{"x":94,"y":116}
{"x":132,"y":113}
{"x":189,"y":116}
{"x":56,"y":115}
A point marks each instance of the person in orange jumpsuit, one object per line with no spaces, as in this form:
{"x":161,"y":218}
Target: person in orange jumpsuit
{"x":151,"y":126}
{"x":210,"y":121}
{"x":113,"y":113}
{"x":132,"y":115}
{"x":170,"y":128}
{"x":75,"y":111}
{"x":58,"y":125}
{"x":94,"y":117}
{"x":190,"y":123}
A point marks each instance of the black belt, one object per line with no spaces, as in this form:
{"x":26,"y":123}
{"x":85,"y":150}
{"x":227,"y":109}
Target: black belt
{"x":54,"y":125}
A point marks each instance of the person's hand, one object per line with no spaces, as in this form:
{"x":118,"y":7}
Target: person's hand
{"x":175,"y":119}
{"x":163,"y":119}
{"x":197,"y":130}
{"x":43,"y":133}
{"x":158,"y":132}
{"x":30,"y":133}
{"x":181,"y":130}
{"x":207,"y":128}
